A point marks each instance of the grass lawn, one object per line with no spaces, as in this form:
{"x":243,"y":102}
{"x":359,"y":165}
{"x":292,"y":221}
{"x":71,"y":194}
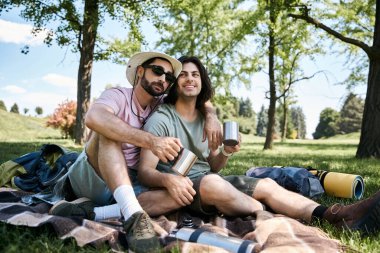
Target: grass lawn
{"x":336,"y":154}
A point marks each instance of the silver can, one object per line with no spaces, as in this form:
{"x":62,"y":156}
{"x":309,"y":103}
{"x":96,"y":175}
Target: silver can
{"x":230,"y":133}
{"x":184,"y":162}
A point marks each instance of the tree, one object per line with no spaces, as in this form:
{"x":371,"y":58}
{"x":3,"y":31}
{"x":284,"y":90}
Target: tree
{"x":2,"y":106}
{"x":328,"y":124}
{"x":235,"y":50}
{"x":351,"y":23}
{"x":247,"y":125}
{"x":14,"y":108}
{"x":262,"y":121}
{"x":188,"y":27}
{"x":284,"y":43}
{"x":226,"y":107}
{"x":351,"y":114}
{"x":246,"y":116}
{"x":295,"y":126}
{"x":39,"y":110}
{"x":285,"y":124}
{"x":75,"y":24}
{"x":245,"y":108}
{"x":63,"y":118}
{"x":26,"y":110}
{"x":271,"y":26}
{"x":289,"y":73}
{"x":299,"y":121}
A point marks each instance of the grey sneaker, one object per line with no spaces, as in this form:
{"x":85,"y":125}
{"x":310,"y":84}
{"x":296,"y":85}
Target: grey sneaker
{"x":141,"y":237}
{"x":82,"y":207}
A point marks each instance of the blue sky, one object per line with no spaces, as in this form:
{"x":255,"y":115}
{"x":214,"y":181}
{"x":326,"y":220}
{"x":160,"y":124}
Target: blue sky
{"x":46,"y":76}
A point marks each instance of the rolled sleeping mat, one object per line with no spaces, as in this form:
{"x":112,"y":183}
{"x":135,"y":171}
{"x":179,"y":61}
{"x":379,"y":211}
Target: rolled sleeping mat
{"x":341,"y":184}
{"x":231,"y":244}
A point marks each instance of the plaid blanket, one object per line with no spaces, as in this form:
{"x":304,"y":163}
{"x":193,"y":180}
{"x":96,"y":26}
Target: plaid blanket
{"x":271,"y":233}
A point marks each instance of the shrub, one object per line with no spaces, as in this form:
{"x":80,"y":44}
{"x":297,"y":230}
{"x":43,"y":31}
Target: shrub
{"x":292,"y":134}
{"x":64,"y":118}
{"x":2,"y":106}
{"x":14,"y":108}
{"x":39,"y":110}
{"x":247,"y":125}
{"x":328,"y":123}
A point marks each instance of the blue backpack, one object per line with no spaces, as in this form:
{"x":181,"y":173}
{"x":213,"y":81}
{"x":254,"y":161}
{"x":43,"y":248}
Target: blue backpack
{"x":38,"y":170}
{"x":295,"y":179}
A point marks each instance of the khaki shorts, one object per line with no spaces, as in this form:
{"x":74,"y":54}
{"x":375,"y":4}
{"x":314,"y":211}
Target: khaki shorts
{"x":85,"y":182}
{"x":242,"y":183}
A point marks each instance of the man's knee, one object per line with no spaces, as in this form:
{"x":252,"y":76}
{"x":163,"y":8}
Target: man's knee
{"x":157,"y":202}
{"x":104,"y":153}
{"x":211,"y":184}
{"x":265,"y":185}
{"x":99,"y":146}
{"x":110,"y":151}
{"x":108,"y":143}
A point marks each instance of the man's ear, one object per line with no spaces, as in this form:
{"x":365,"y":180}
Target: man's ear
{"x":140,"y":71}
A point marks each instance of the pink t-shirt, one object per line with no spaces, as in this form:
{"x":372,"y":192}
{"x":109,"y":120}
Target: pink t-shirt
{"x":119,"y":99}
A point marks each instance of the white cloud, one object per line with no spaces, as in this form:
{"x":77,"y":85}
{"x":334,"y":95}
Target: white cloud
{"x":47,"y":100}
{"x":61,"y":81}
{"x":17,"y":33}
{"x":14,"y":89}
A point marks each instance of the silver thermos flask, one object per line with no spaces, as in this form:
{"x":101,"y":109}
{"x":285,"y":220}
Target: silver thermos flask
{"x":231,"y":244}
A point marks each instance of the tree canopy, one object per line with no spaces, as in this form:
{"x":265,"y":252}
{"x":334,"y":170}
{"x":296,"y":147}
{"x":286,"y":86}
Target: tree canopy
{"x":14,"y":108}
{"x":328,"y":124}
{"x":2,"y":105}
{"x":355,"y":24}
{"x":351,"y":114}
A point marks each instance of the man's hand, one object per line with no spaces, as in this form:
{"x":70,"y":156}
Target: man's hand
{"x":180,"y":188}
{"x":165,"y":148}
{"x":233,"y":149}
{"x":213,"y":131}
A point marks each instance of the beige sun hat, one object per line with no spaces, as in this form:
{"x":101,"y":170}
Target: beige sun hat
{"x":139,"y":58}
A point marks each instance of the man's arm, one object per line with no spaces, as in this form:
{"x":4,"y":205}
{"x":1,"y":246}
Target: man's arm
{"x":217,"y":160}
{"x":101,"y":119}
{"x":212,"y":128}
{"x":179,"y":187}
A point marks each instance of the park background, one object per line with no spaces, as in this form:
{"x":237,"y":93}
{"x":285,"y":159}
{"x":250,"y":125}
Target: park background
{"x":47,"y":76}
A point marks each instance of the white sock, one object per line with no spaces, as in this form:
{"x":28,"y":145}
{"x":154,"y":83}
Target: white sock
{"x":127,"y":201}
{"x":106,"y":212}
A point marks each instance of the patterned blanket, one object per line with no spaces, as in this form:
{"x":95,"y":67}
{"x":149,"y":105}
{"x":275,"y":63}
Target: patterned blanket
{"x":266,"y":231}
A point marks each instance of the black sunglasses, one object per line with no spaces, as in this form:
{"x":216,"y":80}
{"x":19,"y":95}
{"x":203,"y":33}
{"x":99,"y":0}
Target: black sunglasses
{"x":159,"y":71}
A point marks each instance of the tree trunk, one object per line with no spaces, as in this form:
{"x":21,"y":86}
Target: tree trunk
{"x":89,"y":31}
{"x":369,"y":145}
{"x":272,"y":86}
{"x":284,"y":127}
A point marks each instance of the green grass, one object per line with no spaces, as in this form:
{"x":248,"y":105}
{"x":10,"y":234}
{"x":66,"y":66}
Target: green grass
{"x":20,"y":135}
{"x":334,"y":154}
{"x":15,"y":127}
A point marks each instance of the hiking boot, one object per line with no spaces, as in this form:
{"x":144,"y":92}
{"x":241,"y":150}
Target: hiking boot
{"x":363,"y":216}
{"x":141,"y":237}
{"x":82,"y":207}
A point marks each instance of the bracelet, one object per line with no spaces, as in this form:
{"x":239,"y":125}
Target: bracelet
{"x":225,"y":153}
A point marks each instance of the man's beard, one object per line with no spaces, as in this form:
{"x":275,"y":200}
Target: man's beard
{"x":148,"y":87}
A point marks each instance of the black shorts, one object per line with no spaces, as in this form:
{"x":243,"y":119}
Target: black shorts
{"x":242,"y":183}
